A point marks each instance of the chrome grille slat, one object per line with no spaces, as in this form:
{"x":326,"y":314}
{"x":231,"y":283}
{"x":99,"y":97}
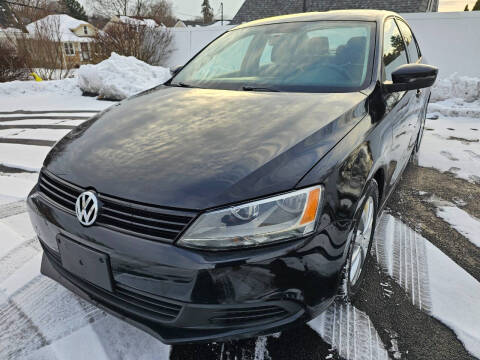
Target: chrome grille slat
{"x":129,"y":222}
{"x":166,"y":224}
{"x":151,"y":222}
{"x":51,"y":185}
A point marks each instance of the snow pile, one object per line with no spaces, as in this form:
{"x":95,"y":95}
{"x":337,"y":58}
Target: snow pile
{"x":29,"y":88}
{"x":456,"y":86}
{"x":119,"y":77}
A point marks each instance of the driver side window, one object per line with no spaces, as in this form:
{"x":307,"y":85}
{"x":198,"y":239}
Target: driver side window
{"x":394,"y":53}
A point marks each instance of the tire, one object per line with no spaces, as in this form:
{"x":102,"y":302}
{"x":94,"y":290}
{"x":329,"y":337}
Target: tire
{"x":353,"y":279}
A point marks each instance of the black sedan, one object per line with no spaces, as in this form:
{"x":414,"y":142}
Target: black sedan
{"x":240,"y":197}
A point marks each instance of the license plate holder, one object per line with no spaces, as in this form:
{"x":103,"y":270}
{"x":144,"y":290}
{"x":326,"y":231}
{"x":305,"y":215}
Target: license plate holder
{"x":86,"y":263}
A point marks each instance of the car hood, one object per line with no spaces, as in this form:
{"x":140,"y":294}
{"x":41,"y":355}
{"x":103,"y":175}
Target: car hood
{"x":201,"y":148}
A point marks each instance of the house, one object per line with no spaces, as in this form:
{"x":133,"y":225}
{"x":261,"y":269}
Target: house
{"x":75,"y":36}
{"x":179,"y":24}
{"x":132,"y":20}
{"x":189,"y":23}
{"x":257,"y":9}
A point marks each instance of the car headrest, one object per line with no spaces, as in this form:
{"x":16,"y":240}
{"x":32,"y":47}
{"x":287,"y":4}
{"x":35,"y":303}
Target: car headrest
{"x":353,"y":51}
{"x":314,"y":47}
{"x":278,"y":51}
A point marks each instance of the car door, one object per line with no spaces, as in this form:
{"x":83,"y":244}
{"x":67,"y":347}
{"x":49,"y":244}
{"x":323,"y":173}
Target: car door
{"x":418,"y":102}
{"x":398,"y":111}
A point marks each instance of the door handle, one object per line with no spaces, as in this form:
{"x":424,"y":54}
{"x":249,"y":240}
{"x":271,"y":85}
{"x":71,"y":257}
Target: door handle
{"x":419,"y":92}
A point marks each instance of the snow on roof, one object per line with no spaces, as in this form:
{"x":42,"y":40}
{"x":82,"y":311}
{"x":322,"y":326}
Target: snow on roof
{"x":65,"y":25}
{"x":219,"y":23}
{"x":10,"y":30}
{"x":137,"y":22}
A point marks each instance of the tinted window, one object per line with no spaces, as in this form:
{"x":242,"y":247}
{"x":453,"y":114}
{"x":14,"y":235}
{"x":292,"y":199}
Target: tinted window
{"x":409,"y":41}
{"x":320,"y":56}
{"x":394,"y":53}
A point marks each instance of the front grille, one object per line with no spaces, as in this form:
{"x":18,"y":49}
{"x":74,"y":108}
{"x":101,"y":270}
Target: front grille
{"x":147,"y":221}
{"x":141,"y":303}
{"x":239,"y":316}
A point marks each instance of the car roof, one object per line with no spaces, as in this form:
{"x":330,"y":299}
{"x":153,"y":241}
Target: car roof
{"x":345,"y":15}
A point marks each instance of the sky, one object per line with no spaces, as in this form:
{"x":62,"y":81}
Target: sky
{"x":187,"y":9}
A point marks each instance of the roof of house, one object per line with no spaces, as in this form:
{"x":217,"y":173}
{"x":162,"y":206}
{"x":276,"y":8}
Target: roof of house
{"x":193,"y":23}
{"x":137,"y":21}
{"x":258,"y":9}
{"x":65,"y":25}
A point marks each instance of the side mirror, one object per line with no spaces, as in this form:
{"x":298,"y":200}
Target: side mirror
{"x":411,"y":77}
{"x":176,"y":69}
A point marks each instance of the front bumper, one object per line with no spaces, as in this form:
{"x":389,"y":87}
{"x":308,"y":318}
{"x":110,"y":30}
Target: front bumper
{"x":182,"y":295}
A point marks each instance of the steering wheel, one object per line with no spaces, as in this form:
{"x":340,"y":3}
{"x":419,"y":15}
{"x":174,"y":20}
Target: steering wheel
{"x":340,"y":70}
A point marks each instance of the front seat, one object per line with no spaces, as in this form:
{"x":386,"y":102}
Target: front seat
{"x":352,"y":56}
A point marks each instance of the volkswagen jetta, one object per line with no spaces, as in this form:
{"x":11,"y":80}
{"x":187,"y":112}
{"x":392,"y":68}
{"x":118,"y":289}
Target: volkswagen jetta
{"x":241,"y":196}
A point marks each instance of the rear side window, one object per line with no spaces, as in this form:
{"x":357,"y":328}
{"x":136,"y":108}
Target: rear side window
{"x":394,"y":53}
{"x":409,"y":41}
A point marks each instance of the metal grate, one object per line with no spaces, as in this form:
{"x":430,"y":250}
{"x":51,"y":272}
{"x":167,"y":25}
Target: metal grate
{"x":145,"y":220}
{"x":239,"y":316}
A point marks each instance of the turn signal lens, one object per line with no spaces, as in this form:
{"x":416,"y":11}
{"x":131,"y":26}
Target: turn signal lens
{"x":311,"y":209}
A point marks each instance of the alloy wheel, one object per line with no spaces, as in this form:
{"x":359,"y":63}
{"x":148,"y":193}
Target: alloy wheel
{"x":361,"y":241}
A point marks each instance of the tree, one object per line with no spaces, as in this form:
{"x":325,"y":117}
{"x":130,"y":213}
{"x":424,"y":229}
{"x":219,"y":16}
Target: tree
{"x":162,"y":12}
{"x":207,"y":12}
{"x":466,"y":8}
{"x":74,"y":9}
{"x":42,"y":49}
{"x":28,"y":11}
{"x":151,"y":44}
{"x":108,"y":8}
{"x":476,"y":7}
{"x":12,"y":66}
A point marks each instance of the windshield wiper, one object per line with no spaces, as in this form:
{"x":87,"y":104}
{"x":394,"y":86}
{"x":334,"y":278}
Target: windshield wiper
{"x":181,"y":84}
{"x":252,"y":88}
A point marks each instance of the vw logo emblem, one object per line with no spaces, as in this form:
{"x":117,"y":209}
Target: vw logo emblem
{"x":86,"y":208}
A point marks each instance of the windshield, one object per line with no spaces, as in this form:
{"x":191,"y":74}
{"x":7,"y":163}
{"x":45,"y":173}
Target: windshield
{"x":320,"y":56}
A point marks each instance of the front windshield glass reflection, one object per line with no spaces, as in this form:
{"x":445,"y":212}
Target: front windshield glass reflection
{"x":320,"y":56}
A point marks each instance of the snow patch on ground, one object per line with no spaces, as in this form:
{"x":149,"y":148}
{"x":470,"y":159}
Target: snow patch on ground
{"x":46,"y":95}
{"x":435,"y":283}
{"x":18,"y":88}
{"x":261,"y":351}
{"x":119,"y":77}
{"x":26,"y":157}
{"x":37,"y":134}
{"x":463,"y":222}
{"x":350,"y":332}
{"x":452,"y":144}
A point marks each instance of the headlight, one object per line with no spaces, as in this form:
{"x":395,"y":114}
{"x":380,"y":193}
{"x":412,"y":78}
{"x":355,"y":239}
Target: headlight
{"x":278,"y":218}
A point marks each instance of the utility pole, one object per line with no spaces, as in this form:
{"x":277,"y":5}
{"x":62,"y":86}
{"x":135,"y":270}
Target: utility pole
{"x":304,"y":5}
{"x":221,"y":5}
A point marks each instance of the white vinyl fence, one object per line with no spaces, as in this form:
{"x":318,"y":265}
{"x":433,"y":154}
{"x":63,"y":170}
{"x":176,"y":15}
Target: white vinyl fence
{"x":450,"y":41}
{"x":188,"y":41}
